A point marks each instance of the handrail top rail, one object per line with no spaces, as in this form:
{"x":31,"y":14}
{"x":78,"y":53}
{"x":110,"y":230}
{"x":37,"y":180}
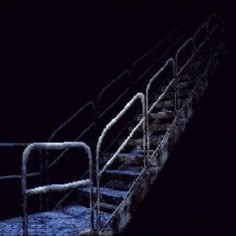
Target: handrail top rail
{"x":189,"y":40}
{"x":53,"y":146}
{"x":169,"y":61}
{"x":114,"y":120}
{"x":14,"y":144}
{"x":56,"y":187}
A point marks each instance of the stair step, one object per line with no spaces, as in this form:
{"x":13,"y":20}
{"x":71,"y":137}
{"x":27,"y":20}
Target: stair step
{"x":160,"y":128}
{"x":131,"y":168}
{"x":107,"y":195}
{"x":118,"y":185}
{"x":105,"y":207}
{"x":123,"y":172}
{"x":158,"y":115}
{"x":134,"y":158}
{"x":169,"y":104}
{"x":122,"y":175}
{"x":182,"y":94}
{"x":185,"y":84}
{"x":155,"y":140}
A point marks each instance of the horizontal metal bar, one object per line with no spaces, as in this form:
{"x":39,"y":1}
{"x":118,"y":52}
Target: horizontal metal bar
{"x":58,"y":187}
{"x":14,"y":144}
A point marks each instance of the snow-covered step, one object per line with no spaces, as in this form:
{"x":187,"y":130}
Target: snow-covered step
{"x":154,"y":141}
{"x":72,"y":220}
{"x":108,"y":195}
{"x":185,"y":84}
{"x":126,"y":175}
{"x":169,"y":104}
{"x":123,"y":172}
{"x":154,"y":127}
{"x":105,"y":207}
{"x":182,"y":94}
{"x":134,"y":157}
{"x":118,"y":185}
{"x":161,"y":115}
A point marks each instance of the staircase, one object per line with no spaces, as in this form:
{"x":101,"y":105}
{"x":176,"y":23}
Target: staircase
{"x":105,"y":203}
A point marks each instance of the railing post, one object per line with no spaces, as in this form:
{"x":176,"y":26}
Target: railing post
{"x":25,"y":192}
{"x":147,"y":109}
{"x":43,"y":179}
{"x":145,"y":132}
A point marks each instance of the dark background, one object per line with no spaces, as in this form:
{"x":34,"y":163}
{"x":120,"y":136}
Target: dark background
{"x":56,"y":56}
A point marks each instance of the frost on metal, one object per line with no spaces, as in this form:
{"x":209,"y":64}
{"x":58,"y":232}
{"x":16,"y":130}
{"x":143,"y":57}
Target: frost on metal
{"x":155,"y":77}
{"x":61,"y":187}
{"x":138,"y":96}
{"x":58,"y":187}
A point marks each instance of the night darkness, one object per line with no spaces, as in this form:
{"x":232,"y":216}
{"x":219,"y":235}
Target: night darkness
{"x":54,"y":57}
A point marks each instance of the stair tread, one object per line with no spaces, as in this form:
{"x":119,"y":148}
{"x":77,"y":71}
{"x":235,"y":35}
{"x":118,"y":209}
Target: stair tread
{"x":139,"y":141}
{"x":108,"y":206}
{"x":118,"y":184}
{"x":107,"y":191}
{"x":124,"y":172}
{"x":158,"y":115}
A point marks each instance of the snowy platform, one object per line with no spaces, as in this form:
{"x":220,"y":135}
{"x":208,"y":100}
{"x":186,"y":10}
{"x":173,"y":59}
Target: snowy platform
{"x":70,"y":221}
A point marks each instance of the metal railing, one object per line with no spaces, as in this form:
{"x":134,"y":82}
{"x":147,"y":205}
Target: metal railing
{"x":177,"y":70}
{"x":97,"y":113}
{"x":148,"y":109}
{"x":99,"y":173}
{"x":53,"y":187}
{"x":147,"y":56}
{"x":125,"y":75}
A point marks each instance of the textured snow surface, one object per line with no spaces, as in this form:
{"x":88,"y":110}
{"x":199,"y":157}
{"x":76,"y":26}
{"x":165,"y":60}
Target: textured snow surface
{"x":67,"y":222}
{"x":108,"y":192}
{"x":124,"y":172}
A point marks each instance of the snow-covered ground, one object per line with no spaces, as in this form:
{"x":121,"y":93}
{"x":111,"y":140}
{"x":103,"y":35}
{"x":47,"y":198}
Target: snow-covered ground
{"x":67,"y":222}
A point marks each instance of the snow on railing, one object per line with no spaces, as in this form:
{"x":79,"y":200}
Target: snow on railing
{"x":55,"y":187}
{"x":101,"y":112}
{"x":148,"y":110}
{"x":176,"y":72}
{"x":138,"y":96}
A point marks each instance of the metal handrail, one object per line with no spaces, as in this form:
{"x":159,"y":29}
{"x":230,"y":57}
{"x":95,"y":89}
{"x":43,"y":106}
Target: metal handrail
{"x":54,"y":187}
{"x":133,"y":78}
{"x":167,"y":37}
{"x":204,"y":26}
{"x":10,"y":177}
{"x":148,"y":110}
{"x":138,"y":96}
{"x":99,"y":112}
{"x":187,"y":42}
{"x":59,"y":128}
{"x":33,"y":174}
